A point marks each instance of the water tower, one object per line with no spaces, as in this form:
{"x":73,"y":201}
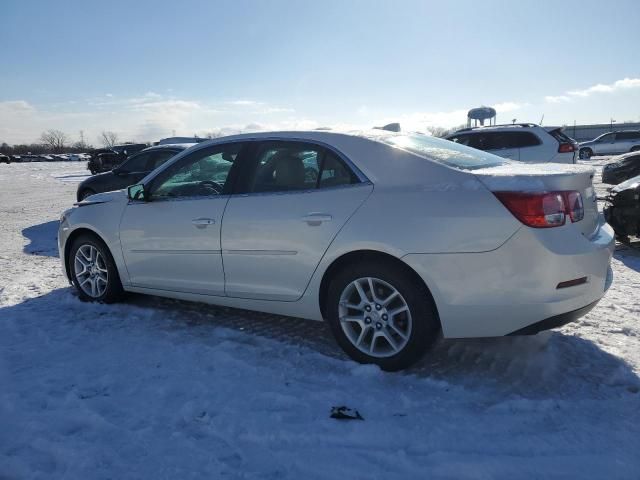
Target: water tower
{"x":480,"y":115}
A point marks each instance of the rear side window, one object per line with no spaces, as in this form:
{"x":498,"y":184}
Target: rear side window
{"x":295,"y":166}
{"x":524,"y":139}
{"x":444,"y":152}
{"x":159,"y":158}
{"x":137,"y":163}
{"x":628,"y":136}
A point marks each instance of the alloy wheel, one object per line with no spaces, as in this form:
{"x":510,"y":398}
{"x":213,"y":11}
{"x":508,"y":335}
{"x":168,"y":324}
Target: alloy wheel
{"x":90,"y":270}
{"x":375,"y":317}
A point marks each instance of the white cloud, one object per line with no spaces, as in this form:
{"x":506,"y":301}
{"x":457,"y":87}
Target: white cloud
{"x":146,"y":117}
{"x":243,"y":103}
{"x":617,"y":86}
{"x":15,"y":107}
{"x":557,"y":99}
{"x":418,"y":121}
{"x":505,"y":107}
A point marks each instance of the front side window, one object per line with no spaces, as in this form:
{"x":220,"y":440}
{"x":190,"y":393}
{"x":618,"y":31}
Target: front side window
{"x":203,"y":173}
{"x":609,"y":137}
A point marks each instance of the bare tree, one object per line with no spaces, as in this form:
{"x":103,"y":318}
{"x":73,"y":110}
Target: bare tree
{"x":108,"y":138}
{"x":54,"y":139}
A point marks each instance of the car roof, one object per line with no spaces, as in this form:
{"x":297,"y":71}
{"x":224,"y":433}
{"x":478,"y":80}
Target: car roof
{"x":169,"y":146}
{"x":323,"y":136}
{"x":498,"y":128}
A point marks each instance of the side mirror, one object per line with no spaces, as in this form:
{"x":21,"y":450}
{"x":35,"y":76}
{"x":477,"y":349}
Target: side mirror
{"x":137,"y":192}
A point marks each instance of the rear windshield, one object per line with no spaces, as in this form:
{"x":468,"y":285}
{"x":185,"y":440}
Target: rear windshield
{"x":445,"y":152}
{"x":561,"y":136}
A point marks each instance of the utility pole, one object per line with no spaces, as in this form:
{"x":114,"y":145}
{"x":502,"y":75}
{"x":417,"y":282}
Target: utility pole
{"x":82,"y":139}
{"x":611,"y":127}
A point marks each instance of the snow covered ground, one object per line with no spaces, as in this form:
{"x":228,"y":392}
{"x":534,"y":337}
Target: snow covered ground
{"x":157,"y":389}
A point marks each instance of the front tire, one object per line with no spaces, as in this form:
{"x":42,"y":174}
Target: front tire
{"x":379,"y":314}
{"x":93,"y":271}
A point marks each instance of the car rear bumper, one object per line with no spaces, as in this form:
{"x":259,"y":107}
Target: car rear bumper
{"x":514,"y":287}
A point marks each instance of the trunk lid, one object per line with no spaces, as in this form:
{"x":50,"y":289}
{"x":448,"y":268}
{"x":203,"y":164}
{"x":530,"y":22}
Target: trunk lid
{"x":546,"y":177}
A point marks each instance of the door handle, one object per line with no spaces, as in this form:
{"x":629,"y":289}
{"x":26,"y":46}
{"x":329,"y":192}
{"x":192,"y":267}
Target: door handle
{"x":315,"y":219}
{"x":202,"y":222}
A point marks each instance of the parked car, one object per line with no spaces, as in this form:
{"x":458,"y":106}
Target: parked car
{"x":621,"y":168}
{"x":131,"y":171}
{"x":4,"y":158}
{"x":393,"y":238}
{"x":106,"y":159}
{"x":613,"y":143}
{"x":525,"y":142}
{"x":622,"y":209}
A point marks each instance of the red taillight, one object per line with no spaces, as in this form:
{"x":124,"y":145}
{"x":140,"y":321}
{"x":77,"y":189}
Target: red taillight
{"x":566,"y":148}
{"x":575,"y":207}
{"x":543,"y":209}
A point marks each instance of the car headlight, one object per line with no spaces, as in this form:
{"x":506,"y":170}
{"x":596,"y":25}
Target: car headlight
{"x":65,"y":215}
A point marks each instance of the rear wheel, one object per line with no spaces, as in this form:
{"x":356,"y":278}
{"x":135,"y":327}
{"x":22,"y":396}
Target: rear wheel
{"x":379,"y":314}
{"x":93,"y":271}
{"x":586,"y":153}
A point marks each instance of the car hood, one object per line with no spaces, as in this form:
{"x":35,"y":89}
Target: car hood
{"x":117,"y":195}
{"x":627,"y":184}
{"x":586,"y":144}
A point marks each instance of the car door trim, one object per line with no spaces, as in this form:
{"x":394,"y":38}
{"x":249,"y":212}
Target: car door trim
{"x":179,"y":252}
{"x":259,"y":252}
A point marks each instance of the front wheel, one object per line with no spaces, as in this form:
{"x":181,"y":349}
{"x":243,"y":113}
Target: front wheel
{"x":379,"y":314}
{"x":93,"y":271}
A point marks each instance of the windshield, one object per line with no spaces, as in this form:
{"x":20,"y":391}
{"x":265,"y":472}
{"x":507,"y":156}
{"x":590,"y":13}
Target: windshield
{"x":445,"y":152}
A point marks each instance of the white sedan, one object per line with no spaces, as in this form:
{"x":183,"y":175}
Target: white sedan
{"x":394,"y":239}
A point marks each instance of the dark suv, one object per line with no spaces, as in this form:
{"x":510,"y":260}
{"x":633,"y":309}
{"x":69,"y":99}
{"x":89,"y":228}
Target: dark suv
{"x":106,"y":159}
{"x":131,"y":171}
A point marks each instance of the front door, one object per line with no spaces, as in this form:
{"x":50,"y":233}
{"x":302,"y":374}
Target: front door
{"x":293,"y":200}
{"x":172,"y":241}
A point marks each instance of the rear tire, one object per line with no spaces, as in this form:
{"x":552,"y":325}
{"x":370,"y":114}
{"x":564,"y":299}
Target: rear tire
{"x":585,"y":153}
{"x":394,"y":327}
{"x":93,"y":271}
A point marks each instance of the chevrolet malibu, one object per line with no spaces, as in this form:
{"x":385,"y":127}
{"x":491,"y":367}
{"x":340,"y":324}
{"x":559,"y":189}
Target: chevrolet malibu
{"x":394,"y":239}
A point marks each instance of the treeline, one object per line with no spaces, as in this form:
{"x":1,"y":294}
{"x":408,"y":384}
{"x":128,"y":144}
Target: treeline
{"x":56,"y":141}
{"x":40,"y":149}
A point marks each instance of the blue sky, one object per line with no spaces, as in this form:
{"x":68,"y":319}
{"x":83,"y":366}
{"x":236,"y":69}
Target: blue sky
{"x":147,"y":69}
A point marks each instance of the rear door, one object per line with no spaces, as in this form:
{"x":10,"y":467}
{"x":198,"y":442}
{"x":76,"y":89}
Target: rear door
{"x":292,"y":200}
{"x":530,"y":147}
{"x":625,"y":141}
{"x":606,"y":145}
